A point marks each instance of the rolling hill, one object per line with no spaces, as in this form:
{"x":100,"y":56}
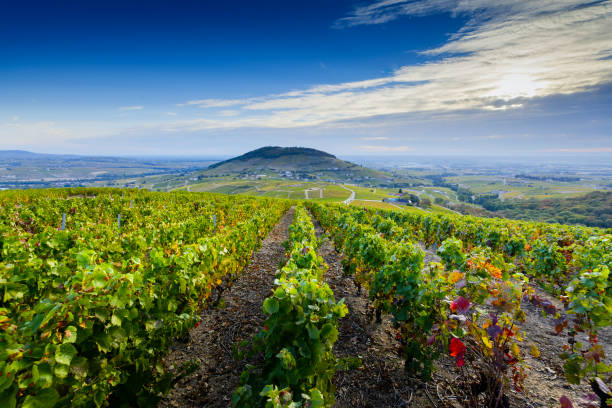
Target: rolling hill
{"x":303,"y":162}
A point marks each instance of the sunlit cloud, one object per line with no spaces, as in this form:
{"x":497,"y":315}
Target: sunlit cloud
{"x":509,"y":53}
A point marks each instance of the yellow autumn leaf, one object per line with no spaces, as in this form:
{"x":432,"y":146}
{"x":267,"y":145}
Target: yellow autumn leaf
{"x":515,"y":349}
{"x":487,"y":342}
{"x":218,"y":281}
{"x":455,"y":277}
{"x":534,"y":351}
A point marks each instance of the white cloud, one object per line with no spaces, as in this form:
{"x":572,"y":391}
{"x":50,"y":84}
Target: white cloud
{"x":215,"y":103}
{"x":18,"y":134}
{"x":229,"y":112}
{"x":130,"y":108}
{"x":386,"y":10}
{"x":171,"y":113}
{"x":380,"y":149}
{"x":509,"y":53}
{"x":375,"y":138}
{"x":580,"y":150}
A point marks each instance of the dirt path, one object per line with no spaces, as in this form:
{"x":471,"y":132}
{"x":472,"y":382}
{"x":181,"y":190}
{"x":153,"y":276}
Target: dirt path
{"x":381,"y":380}
{"x":238,"y":317}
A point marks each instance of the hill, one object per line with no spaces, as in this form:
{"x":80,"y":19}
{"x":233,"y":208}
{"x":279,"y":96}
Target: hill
{"x":300,"y":161}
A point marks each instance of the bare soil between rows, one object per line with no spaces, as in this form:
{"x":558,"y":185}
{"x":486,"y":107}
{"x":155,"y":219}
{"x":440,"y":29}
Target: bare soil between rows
{"x":380,"y":379}
{"x":238,"y":317}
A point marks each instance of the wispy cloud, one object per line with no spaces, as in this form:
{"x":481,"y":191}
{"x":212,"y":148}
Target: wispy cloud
{"x":375,"y":138}
{"x":580,"y":150}
{"x":130,"y":108}
{"x":19,"y":133}
{"x":387,"y":10}
{"x":229,"y":112}
{"x":215,"y":103}
{"x":509,"y":53}
{"x":382,"y":149}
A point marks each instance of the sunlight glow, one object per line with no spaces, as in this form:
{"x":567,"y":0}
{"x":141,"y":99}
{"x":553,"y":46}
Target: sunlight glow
{"x":515,"y":86}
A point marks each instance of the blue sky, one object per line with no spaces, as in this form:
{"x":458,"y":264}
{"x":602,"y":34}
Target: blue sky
{"x":351,"y":77}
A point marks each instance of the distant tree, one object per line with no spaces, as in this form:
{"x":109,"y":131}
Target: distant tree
{"x":425,"y":202}
{"x":440,"y":201}
{"x":400,"y":191}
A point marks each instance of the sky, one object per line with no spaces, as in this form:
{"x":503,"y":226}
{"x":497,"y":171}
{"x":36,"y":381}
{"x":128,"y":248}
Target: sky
{"x":352,"y":77}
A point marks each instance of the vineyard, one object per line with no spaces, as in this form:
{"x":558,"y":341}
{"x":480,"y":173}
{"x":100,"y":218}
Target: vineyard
{"x":129,"y":298}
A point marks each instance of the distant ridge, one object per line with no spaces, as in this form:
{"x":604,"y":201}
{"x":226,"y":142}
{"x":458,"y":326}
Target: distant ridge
{"x":20,"y":154}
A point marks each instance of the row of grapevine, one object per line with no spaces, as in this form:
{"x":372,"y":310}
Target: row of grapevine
{"x":299,"y":332}
{"x":547,"y":251}
{"x":445,"y":307}
{"x":88,"y":312}
{"x":573,"y":262}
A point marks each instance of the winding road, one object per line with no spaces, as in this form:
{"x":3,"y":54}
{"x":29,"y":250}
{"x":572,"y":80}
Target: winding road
{"x":351,"y":197}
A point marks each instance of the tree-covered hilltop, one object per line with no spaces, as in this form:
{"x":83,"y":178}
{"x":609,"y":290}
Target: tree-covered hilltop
{"x":275,"y":152}
{"x":305,"y":161}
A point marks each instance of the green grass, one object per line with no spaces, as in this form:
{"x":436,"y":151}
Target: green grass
{"x":523,"y":189}
{"x":367,"y":193}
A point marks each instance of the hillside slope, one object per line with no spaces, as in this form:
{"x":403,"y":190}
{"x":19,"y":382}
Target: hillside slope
{"x":304,"y":161}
